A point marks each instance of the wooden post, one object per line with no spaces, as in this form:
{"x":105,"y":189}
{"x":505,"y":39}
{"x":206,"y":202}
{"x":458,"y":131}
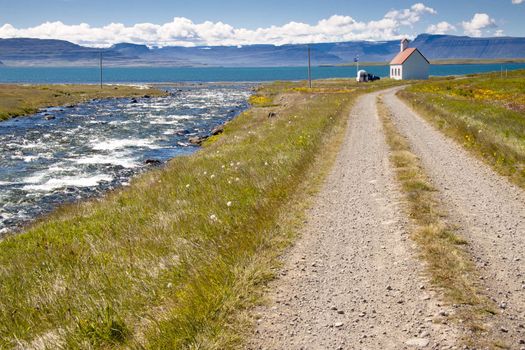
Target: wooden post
{"x":101,"y":69}
{"x":309,"y":69}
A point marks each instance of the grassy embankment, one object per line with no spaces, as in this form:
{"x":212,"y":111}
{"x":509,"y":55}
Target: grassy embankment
{"x":17,"y":100}
{"x":443,"y":62}
{"x":448,"y":264}
{"x":485,"y":113}
{"x":175,"y":260}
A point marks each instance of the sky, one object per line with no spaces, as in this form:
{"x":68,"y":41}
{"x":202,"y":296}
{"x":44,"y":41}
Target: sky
{"x":102,"y":23}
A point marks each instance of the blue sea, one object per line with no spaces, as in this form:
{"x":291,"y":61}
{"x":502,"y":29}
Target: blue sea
{"x":218,"y":74}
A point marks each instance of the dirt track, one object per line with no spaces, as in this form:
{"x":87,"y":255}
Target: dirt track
{"x":352,"y":281}
{"x":488,"y":210}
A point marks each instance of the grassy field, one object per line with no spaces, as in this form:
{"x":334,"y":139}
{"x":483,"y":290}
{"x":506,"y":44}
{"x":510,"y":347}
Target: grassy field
{"x":17,"y":100}
{"x":485,"y":113}
{"x":176,"y":260}
{"x":441,"y":248}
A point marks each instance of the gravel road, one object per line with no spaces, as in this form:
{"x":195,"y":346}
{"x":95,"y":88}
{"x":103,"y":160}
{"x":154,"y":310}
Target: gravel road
{"x":489,"y":211}
{"x":352,"y":281}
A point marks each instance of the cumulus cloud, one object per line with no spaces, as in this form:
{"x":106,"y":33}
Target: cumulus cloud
{"x":410,"y":16}
{"x":441,"y":28}
{"x":517,"y":1}
{"x":184,"y":32}
{"x":475,"y":26}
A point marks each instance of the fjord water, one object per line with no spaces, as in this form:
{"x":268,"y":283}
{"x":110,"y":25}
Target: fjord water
{"x":94,"y":147}
{"x":219,"y":74}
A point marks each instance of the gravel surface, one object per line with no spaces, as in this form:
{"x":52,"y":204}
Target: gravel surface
{"x":352,"y":281}
{"x":489,"y":211}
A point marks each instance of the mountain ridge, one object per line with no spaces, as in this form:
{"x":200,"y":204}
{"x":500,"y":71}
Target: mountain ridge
{"x":52,"y":52}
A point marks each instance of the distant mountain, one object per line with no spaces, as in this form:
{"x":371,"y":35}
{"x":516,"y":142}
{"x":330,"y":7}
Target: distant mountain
{"x":459,"y":47}
{"x":130,"y":49}
{"x":45,"y":52}
{"x":37,"y":52}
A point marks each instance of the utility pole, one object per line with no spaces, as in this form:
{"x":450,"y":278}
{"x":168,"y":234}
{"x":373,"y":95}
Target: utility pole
{"x":309,"y":69}
{"x":100,"y":68}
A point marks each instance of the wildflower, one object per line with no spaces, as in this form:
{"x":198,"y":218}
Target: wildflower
{"x":212,"y":176}
{"x":205,"y":173}
{"x":213,"y":217}
{"x":224,"y":166}
{"x":266,"y":163}
{"x":229,"y":204}
{"x":188,"y":186}
{"x":237,"y":179}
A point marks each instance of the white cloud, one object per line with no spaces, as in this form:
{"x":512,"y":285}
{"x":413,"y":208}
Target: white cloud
{"x":475,"y":26}
{"x":184,"y":32}
{"x":499,"y":32}
{"x":517,"y":1}
{"x":441,"y":28}
{"x":412,"y":15}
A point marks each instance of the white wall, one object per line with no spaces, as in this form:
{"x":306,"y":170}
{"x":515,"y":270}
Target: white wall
{"x":415,"y":67}
{"x":396,"y":72}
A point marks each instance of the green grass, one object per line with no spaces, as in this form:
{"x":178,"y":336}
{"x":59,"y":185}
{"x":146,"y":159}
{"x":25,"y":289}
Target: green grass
{"x":18,"y":100}
{"x":485,"y":113}
{"x":478,"y":61}
{"x":449,"y":265}
{"x":176,"y":260}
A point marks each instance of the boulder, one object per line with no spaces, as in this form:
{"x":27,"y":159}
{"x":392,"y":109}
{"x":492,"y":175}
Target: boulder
{"x":154,"y":162}
{"x":197,"y":140}
{"x":182,"y":132}
{"x":217,"y":130}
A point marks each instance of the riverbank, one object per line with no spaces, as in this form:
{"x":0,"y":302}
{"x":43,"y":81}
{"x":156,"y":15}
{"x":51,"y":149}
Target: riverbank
{"x":17,"y":100}
{"x":175,"y":259}
{"x":61,"y":155}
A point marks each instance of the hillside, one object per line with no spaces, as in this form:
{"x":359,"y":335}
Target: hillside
{"x":37,"y":52}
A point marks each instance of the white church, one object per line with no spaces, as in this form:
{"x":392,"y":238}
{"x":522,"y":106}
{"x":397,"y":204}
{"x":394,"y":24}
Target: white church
{"x":409,"y":64}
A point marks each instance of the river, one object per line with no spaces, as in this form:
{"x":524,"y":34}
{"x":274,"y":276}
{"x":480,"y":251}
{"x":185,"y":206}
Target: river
{"x":64,"y":154}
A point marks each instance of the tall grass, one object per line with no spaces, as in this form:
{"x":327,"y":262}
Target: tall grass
{"x":484,"y":113}
{"x":171,"y":261}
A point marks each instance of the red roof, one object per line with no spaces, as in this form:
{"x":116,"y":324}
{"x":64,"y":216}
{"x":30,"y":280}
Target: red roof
{"x":403,"y":56}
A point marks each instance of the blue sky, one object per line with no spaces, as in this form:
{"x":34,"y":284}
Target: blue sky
{"x":236,"y":22}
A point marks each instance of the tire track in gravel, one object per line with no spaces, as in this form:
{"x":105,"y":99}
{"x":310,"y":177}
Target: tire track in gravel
{"x":488,"y":210}
{"x":352,"y":280}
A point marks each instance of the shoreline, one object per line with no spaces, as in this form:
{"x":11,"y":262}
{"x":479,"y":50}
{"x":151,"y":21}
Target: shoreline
{"x":19,"y":99}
